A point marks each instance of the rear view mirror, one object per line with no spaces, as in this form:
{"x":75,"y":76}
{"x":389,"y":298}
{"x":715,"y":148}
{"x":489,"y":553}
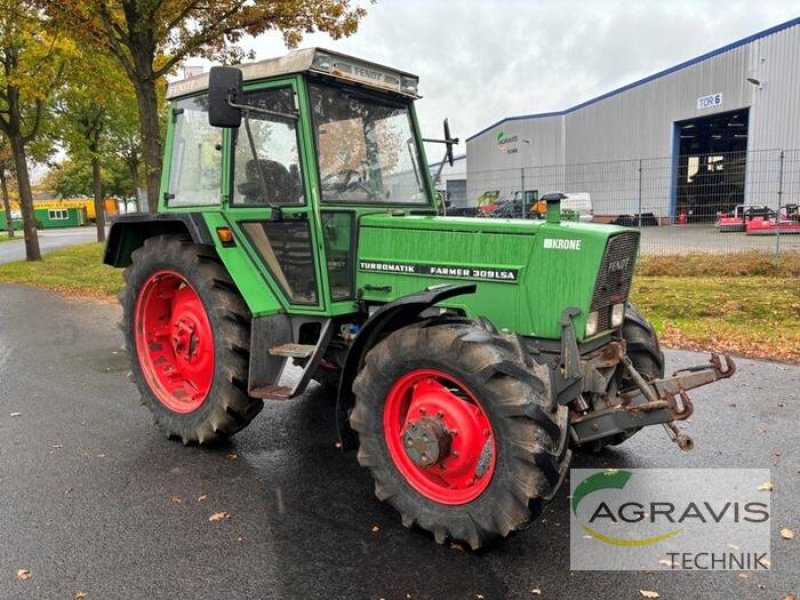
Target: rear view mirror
{"x":224,"y":87}
{"x":449,"y":141}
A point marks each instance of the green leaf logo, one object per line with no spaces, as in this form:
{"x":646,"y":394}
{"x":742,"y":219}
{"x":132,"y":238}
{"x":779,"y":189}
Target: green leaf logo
{"x":615,"y":480}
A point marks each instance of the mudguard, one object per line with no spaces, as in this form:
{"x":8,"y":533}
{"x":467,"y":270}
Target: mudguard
{"x":128,"y":232}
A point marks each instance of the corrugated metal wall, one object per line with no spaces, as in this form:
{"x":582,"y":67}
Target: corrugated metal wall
{"x":639,"y":123}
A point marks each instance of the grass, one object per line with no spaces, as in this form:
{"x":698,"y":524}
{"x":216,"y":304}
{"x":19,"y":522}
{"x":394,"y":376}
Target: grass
{"x":739,"y":303}
{"x":743,"y":304}
{"x":4,"y":236}
{"x":74,"y":271}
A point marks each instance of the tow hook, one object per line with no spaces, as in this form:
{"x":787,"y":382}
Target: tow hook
{"x":671,"y":393}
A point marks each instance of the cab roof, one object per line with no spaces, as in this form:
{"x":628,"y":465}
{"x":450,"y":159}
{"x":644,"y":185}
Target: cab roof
{"x":317,"y":61}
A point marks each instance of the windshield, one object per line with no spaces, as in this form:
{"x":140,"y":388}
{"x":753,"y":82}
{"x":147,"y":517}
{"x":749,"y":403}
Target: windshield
{"x":367,"y":150}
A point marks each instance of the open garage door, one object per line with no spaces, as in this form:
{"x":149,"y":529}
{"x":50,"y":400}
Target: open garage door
{"x":711,"y":165}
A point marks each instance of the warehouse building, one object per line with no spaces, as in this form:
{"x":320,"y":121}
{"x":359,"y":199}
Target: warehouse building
{"x":703,"y":136}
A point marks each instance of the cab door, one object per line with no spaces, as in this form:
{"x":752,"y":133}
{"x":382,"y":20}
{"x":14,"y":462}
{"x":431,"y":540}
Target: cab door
{"x":268,"y":201}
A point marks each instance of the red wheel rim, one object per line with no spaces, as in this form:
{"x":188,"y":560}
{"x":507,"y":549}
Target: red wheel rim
{"x":439,"y":436}
{"x":174,"y":341}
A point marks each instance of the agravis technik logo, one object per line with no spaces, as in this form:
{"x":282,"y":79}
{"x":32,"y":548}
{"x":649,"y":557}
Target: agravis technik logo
{"x":706,"y":519}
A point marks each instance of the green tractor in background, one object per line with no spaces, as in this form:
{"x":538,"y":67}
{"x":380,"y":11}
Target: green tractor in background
{"x":297,"y":228}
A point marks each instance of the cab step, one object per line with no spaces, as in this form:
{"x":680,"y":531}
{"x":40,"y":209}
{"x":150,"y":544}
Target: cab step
{"x":287,"y":384}
{"x":292,"y":350}
{"x":272,"y":392}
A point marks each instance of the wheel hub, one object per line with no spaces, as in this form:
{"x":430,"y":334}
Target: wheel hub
{"x":174,"y":342}
{"x":439,"y":436}
{"x":426,"y":441}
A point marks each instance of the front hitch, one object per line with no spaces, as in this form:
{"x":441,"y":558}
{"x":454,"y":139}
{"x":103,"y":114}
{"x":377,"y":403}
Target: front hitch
{"x":661,"y":401}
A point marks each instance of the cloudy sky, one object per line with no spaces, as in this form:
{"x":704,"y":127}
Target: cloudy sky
{"x":482,"y":60}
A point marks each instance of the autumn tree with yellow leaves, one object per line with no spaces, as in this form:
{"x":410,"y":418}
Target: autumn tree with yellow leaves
{"x":32,"y":60}
{"x":150,"y":38}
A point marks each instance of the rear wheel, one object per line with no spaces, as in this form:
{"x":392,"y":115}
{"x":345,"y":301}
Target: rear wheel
{"x":187,"y":332}
{"x":458,"y":433}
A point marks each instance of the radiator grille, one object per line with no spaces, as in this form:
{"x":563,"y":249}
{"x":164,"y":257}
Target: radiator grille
{"x":614,"y":280}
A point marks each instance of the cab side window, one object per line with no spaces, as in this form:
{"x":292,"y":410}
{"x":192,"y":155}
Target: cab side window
{"x":195,"y":167}
{"x":267,"y":167}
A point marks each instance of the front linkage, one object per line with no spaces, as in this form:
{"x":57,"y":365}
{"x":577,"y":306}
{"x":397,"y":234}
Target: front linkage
{"x":612,"y":410}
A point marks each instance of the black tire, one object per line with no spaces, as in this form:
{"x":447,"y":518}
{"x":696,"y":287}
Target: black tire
{"x":643,"y":347}
{"x":647,"y":358}
{"x":226,"y":408}
{"x":530,"y":437}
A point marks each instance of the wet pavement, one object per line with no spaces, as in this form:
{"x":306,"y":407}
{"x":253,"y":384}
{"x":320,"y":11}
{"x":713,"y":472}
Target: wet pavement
{"x":93,"y":499}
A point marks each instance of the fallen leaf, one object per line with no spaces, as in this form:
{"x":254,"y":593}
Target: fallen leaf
{"x":536,"y":592}
{"x":767,"y":562}
{"x":23,"y":574}
{"x":767,"y":486}
{"x":203,"y":498}
{"x":374,"y":529}
{"x":787,"y":533}
{"x":15,"y":414}
{"x":56,"y":446}
{"x":648,"y":594}
{"x":743,"y":575}
{"x":233,"y":456}
{"x":338,"y":444}
{"x":734,"y":546}
{"x":176,"y":500}
{"x":478,"y":596}
{"x":80,"y":595}
{"x":789,"y":597}
{"x":666,"y":562}
{"x":219,"y":516}
{"x":455,"y":546}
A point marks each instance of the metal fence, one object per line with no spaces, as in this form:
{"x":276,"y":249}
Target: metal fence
{"x":677,"y":201}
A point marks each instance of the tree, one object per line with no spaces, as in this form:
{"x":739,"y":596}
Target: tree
{"x":151,"y":37}
{"x":74,"y":177}
{"x":31,"y":66}
{"x":96,"y":107}
{"x":6,"y":167}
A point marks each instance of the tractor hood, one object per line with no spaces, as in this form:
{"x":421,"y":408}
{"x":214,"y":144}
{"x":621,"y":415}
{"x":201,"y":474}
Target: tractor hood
{"x":527,"y":271}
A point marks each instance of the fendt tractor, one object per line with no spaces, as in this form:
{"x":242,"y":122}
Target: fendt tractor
{"x":297,"y":239}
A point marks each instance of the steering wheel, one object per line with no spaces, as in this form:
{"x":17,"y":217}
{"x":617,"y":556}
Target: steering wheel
{"x":349,"y":181}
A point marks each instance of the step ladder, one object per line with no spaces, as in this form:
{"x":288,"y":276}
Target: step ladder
{"x":283,"y":389}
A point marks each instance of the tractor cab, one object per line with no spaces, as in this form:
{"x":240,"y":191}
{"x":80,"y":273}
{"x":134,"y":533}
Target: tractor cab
{"x":291,"y":152}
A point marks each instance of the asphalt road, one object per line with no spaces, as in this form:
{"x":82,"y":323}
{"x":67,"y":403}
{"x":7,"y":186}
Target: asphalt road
{"x":706,"y":239}
{"x":93,"y":499}
{"x":49,"y":239}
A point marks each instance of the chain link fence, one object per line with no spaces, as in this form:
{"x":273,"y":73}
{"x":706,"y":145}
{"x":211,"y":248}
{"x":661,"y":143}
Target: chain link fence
{"x":678,"y":202}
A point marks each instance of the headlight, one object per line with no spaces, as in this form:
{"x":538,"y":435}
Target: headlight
{"x":591,"y":323}
{"x":617,"y":315}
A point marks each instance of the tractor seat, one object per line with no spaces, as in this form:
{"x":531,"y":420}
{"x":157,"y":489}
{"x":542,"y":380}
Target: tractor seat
{"x":281,"y":188}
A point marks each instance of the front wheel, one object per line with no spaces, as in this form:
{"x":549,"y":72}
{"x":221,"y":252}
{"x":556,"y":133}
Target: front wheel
{"x":460,"y":436}
{"x":187,"y":332}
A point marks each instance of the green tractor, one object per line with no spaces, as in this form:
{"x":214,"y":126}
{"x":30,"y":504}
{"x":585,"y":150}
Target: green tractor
{"x":297,"y":239}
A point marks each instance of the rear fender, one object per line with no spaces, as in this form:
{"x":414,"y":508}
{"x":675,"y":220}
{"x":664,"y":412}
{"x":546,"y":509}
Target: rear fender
{"x":128,"y":232}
